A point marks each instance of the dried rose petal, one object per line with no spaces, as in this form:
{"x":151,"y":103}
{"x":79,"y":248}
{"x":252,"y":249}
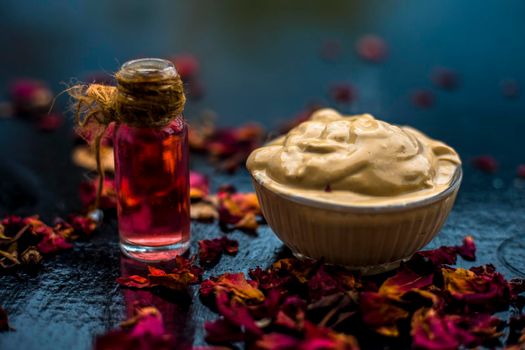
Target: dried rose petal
{"x":30,"y":97}
{"x":485,"y":163}
{"x":372,"y":48}
{"x":88,"y":193}
{"x":52,"y":244}
{"x":404,"y":281}
{"x":521,"y":171}
{"x":4,"y":321}
{"x":238,"y":209}
{"x":379,"y":313}
{"x":445,"y":78}
{"x":144,"y":331}
{"x":52,"y":241}
{"x":433,"y":331}
{"x":422,"y":98}
{"x":322,"y":284}
{"x":211,"y":250}
{"x":50,"y":122}
{"x":314,"y":338}
{"x":84,"y":225}
{"x":481,"y":287}
{"x":148,"y":320}
{"x":278,"y":341}
{"x":510,"y":88}
{"x":235,"y":312}
{"x":38,"y":226}
{"x":228,"y":147}
{"x":223,"y":331}
{"x":292,"y":313}
{"x":468,"y":250}
{"x":134,"y":281}
{"x":203,"y":211}
{"x":234,"y":283}
{"x":301,"y":270}
{"x":447,"y":255}
{"x":84,"y":156}
{"x":247,"y":223}
{"x":187,"y":66}
{"x":181,"y":276}
{"x":269,"y":279}
{"x":199,"y":185}
{"x":343,"y":93}
{"x":178,"y":279}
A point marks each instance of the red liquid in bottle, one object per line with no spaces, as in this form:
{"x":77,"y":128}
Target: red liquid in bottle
{"x":152,"y":182}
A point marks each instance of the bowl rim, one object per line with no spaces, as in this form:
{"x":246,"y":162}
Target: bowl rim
{"x":452,"y":188}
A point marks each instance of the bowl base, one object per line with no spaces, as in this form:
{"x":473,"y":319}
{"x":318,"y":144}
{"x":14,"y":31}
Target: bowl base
{"x":365,"y":270}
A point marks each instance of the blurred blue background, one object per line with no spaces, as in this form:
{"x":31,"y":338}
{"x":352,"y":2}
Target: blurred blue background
{"x":260,"y":60}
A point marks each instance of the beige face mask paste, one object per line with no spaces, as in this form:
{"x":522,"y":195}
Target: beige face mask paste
{"x":356,"y":160}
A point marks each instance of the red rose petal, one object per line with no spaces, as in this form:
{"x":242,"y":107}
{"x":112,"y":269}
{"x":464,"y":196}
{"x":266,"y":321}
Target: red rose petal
{"x":423,"y":98}
{"x":187,"y":66}
{"x":50,"y":122}
{"x":433,"y":331}
{"x":468,"y":250}
{"x":4,"y":321}
{"x":134,"y":281}
{"x":445,"y":78}
{"x":510,"y":88}
{"x":405,"y":280}
{"x":521,"y":171}
{"x":88,"y":193}
{"x":381,"y":314}
{"x":485,"y":163}
{"x":236,"y":313}
{"x":30,"y":97}
{"x":343,"y":93}
{"x":211,"y":250}
{"x":234,"y":283}
{"x":372,"y":48}
{"x":481,"y":288}
{"x":199,"y":185}
{"x":143,"y":331}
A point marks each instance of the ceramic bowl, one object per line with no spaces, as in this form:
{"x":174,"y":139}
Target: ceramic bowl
{"x":371,"y":239}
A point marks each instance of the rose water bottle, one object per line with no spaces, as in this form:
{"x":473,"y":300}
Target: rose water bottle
{"x":151,"y":161}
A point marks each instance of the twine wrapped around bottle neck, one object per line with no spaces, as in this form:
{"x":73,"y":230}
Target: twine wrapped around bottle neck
{"x":149,"y":94}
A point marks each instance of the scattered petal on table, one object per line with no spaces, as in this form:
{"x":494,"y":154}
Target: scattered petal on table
{"x":199,"y":185}
{"x":423,"y":98}
{"x":510,"y":88}
{"x":449,"y":332}
{"x":233,"y":283}
{"x":144,"y":331}
{"x":343,"y":93}
{"x":211,"y":250}
{"x":485,"y":163}
{"x":4,"y":321}
{"x":372,"y":48}
{"x":445,"y":78}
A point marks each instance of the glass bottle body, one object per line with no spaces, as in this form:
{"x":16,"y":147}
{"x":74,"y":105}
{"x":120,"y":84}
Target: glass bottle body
{"x":152,"y":183}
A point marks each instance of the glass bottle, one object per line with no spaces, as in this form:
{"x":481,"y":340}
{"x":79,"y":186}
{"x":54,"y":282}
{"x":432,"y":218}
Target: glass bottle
{"x":151,"y":172}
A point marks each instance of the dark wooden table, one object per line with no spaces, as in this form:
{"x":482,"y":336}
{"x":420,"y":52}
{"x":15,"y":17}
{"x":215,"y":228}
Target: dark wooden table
{"x":259,"y":62}
{"x":75,"y":297}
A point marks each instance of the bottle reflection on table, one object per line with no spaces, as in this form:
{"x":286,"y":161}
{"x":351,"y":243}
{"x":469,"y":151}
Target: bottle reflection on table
{"x":175,"y":308}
